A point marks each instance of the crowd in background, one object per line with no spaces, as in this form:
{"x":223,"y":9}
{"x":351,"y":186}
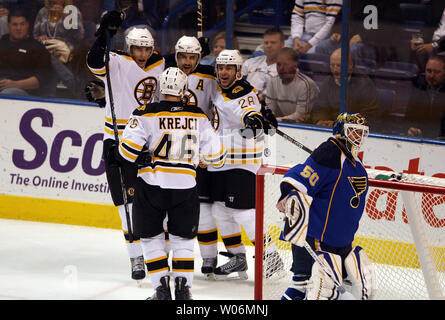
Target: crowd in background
{"x":396,"y":72}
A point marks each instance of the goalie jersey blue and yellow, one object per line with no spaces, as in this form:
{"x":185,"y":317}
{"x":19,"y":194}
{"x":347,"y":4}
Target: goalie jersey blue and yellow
{"x":337,"y":181}
{"x":176,"y":135}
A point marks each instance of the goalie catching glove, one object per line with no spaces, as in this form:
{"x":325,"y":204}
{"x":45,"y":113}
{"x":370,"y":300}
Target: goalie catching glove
{"x":255,"y":126}
{"x":296,"y":217}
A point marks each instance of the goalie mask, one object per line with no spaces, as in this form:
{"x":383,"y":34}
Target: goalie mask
{"x":173,"y":82}
{"x":352,"y":128}
{"x":140,"y":37}
{"x":229,"y":57}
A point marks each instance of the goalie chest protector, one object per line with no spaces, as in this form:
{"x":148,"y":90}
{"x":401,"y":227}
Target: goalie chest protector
{"x":338,"y":184}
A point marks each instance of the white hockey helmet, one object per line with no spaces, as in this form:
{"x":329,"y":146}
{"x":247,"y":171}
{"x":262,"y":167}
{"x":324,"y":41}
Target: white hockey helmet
{"x":173,"y":81}
{"x":139,"y":37}
{"x":229,"y":57}
{"x":187,"y":44}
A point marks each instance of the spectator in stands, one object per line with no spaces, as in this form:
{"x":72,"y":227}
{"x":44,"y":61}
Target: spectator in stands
{"x":25,"y":64}
{"x":3,"y":19}
{"x":60,"y":28}
{"x":259,"y":69}
{"x":218,"y":44}
{"x":291,"y":94}
{"x":311,"y":23}
{"x":362,"y":95}
{"x":424,"y":50}
{"x":426,"y":105}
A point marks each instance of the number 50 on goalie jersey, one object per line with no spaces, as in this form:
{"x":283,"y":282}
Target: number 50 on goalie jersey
{"x":337,"y":182}
{"x":176,"y":135}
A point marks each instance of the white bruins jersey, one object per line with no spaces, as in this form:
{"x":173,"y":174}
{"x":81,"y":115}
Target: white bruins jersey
{"x":176,"y":135}
{"x":132,"y":87}
{"x":231,"y":107}
{"x":201,"y":86}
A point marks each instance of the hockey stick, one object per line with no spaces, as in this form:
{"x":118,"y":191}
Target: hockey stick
{"x":340,"y":288}
{"x":116,"y":134}
{"x":292,"y":140}
{"x":200,"y":27}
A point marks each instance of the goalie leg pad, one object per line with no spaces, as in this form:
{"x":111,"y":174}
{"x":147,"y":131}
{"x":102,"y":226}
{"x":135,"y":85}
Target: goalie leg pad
{"x":297,"y":218}
{"x":320,"y":285}
{"x":361,"y":274}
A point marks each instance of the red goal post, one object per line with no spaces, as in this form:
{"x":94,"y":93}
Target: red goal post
{"x":402,"y":230}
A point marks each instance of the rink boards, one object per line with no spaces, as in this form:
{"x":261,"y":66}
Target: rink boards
{"x":52,"y":167}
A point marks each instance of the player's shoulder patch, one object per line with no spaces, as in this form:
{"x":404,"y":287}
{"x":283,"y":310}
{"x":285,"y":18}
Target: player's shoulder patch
{"x":327,"y":154}
{"x":239,"y":89}
{"x":205,"y":71}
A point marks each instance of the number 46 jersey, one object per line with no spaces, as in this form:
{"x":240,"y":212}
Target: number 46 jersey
{"x":176,"y":135}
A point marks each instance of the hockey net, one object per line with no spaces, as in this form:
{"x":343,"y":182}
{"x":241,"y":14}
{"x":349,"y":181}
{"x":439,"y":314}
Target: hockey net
{"x":402,"y":231}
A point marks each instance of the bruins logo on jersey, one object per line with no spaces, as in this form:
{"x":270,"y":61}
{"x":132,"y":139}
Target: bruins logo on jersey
{"x":190,"y":98}
{"x":359,"y":186}
{"x":145,"y":89}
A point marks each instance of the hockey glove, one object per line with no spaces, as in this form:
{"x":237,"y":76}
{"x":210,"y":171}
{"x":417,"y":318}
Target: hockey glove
{"x":111,"y":20}
{"x":255,"y":126}
{"x":205,"y":49}
{"x":95,"y":92}
{"x":144,"y":159}
{"x":112,"y":156}
{"x":297,"y":218}
{"x":269,"y":116}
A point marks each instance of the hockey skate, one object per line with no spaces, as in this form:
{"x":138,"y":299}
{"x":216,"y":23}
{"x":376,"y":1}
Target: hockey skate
{"x":182,"y":291}
{"x":237,"y":263}
{"x":163,"y":292}
{"x":138,"y":269}
{"x":208,"y":268}
{"x":273,"y":264}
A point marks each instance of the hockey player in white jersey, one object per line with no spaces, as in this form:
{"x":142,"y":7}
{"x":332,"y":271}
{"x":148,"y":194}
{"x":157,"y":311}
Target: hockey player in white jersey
{"x":134,"y":82}
{"x":201,"y":86}
{"x":177,"y":135}
{"x":241,"y":128}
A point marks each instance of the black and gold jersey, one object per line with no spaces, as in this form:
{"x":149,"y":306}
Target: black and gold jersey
{"x":177,"y":136}
{"x":132,"y":87}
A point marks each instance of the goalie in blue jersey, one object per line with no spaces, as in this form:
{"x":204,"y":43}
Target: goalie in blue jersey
{"x":323,"y":200}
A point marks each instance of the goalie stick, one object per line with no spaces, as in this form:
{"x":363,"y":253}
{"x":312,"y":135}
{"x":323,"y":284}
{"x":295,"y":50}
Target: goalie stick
{"x":116,"y":134}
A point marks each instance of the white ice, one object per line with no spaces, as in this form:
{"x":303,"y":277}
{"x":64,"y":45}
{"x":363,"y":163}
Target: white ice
{"x":47,"y":261}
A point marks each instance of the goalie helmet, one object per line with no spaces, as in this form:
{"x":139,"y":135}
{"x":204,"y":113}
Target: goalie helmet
{"x":139,"y":37}
{"x":188,"y":45}
{"x":173,"y":81}
{"x":351,"y":127}
{"x":229,"y":57}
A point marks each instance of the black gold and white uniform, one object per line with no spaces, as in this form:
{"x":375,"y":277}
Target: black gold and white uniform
{"x":201,"y":87}
{"x":176,"y":135}
{"x":233,"y":188}
{"x":131,"y":87}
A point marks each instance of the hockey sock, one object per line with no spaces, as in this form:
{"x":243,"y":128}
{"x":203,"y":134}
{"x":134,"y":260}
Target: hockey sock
{"x":156,"y":258}
{"x":134,"y":249}
{"x":229,"y":229}
{"x":207,"y":232}
{"x":183,"y":258}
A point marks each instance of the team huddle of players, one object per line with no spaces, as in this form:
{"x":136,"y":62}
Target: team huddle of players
{"x":191,"y":139}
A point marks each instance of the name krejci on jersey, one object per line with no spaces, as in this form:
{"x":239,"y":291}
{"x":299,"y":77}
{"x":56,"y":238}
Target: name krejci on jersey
{"x":172,"y":123}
